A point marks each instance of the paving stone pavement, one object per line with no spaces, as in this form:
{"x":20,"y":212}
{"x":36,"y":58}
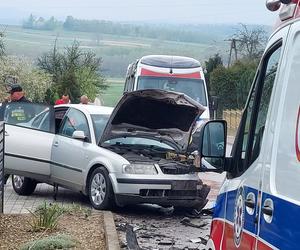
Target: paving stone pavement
{"x":15,"y":204}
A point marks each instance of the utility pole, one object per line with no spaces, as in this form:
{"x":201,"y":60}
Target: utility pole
{"x":233,"y":47}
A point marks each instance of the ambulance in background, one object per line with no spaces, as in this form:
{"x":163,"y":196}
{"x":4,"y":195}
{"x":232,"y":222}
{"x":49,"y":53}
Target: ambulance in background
{"x":258,"y":206}
{"x":173,"y":73}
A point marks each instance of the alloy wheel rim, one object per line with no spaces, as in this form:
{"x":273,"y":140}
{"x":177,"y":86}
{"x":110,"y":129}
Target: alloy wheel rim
{"x":98,"y":189}
{"x":18,"y":181}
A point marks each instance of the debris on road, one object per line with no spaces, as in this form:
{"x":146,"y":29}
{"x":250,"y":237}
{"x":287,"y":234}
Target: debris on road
{"x":196,"y":240}
{"x":151,"y":228}
{"x":131,"y":238}
{"x":187,"y":222}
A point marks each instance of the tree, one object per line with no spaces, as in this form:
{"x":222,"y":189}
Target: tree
{"x":232,"y":84}
{"x":2,"y":45}
{"x":210,"y":65}
{"x":30,"y":22}
{"x":34,"y":82}
{"x":251,"y":41}
{"x":73,"y":71}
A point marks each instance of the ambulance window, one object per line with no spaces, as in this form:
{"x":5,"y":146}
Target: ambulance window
{"x":257,"y":108}
{"x":263,"y":107}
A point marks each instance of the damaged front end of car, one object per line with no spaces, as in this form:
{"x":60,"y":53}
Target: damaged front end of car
{"x":152,"y":129}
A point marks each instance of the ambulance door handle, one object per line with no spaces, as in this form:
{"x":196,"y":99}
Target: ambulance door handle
{"x":250,"y":203}
{"x":267,"y":210}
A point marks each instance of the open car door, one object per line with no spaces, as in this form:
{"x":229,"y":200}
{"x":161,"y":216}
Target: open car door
{"x":29,"y":134}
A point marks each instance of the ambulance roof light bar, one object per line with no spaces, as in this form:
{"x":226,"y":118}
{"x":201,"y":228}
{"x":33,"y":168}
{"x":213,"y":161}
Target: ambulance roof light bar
{"x":274,"y":5}
{"x":288,"y":9}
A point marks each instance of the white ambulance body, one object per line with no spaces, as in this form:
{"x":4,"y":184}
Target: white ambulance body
{"x":258,"y":206}
{"x":173,"y":73}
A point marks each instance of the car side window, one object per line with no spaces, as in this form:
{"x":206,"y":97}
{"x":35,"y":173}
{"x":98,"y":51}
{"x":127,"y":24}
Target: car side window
{"x":255,"y":114}
{"x":74,"y":120}
{"x":29,"y":115}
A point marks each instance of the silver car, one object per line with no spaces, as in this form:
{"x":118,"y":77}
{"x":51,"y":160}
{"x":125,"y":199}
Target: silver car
{"x":135,"y":153}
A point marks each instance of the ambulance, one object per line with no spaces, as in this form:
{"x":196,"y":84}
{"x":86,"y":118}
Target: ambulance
{"x":173,"y":73}
{"x":258,"y":206}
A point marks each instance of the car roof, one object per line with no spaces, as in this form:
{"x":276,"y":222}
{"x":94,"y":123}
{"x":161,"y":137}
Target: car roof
{"x":90,"y":109}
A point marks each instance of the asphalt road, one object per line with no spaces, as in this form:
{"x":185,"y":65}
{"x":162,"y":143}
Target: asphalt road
{"x":155,"y":227}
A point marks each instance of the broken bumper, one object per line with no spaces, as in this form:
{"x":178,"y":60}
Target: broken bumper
{"x":178,"y":193}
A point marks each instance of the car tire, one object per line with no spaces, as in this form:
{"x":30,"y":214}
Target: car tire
{"x":100,"y":190}
{"x":23,"y":185}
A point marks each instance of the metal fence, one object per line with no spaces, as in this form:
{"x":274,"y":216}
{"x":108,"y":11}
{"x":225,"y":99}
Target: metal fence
{"x":233,"y":118}
{"x":1,"y":166}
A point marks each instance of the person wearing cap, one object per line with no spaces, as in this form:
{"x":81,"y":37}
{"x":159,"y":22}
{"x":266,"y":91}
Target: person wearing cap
{"x":16,"y":93}
{"x":17,"y":114}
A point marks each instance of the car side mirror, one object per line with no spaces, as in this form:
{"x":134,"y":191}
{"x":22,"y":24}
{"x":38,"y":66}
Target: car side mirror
{"x":79,"y":135}
{"x":212,"y":147}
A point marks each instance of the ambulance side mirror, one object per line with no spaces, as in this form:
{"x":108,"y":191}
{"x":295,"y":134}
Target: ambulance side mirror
{"x":212,"y":148}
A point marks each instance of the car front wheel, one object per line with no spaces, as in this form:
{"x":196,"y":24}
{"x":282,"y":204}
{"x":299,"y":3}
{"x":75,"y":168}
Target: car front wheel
{"x":23,"y":185}
{"x":101,"y":193}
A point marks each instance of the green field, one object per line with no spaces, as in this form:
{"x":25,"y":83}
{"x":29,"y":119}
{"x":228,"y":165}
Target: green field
{"x":116,"y":51}
{"x":113,"y":92}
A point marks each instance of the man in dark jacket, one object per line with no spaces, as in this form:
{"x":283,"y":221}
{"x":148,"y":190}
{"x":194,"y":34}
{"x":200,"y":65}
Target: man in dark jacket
{"x":17,"y":114}
{"x":14,"y":113}
{"x":16,"y":93}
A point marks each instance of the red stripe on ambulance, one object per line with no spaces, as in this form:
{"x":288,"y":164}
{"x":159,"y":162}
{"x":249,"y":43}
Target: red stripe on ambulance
{"x":194,"y":75}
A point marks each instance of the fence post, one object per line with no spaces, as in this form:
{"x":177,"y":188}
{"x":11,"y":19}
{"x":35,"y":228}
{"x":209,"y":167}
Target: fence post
{"x":2,"y":138}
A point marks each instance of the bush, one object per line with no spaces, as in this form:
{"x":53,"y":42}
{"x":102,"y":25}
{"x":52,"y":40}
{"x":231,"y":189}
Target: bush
{"x":46,"y":217}
{"x":51,"y":242}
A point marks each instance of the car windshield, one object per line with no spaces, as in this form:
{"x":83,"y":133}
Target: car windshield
{"x":137,"y":141}
{"x":99,"y":123}
{"x":194,"y":88}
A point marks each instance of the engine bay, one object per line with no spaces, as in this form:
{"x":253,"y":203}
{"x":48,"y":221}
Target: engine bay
{"x":168,"y":161}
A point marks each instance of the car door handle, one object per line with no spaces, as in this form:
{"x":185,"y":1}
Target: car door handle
{"x":55,"y":144}
{"x":6,"y":133}
{"x":267,"y":210}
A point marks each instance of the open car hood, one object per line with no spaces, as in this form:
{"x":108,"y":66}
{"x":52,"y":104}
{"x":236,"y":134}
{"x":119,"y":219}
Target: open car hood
{"x":155,"y":114}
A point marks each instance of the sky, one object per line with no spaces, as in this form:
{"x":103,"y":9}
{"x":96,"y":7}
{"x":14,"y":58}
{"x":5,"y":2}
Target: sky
{"x":159,"y":11}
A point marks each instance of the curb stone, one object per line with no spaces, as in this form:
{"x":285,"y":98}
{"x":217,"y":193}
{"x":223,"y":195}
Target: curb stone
{"x":111,"y":236}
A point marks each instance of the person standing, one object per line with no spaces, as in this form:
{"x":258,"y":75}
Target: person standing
{"x":16,"y":93}
{"x":16,"y":114}
{"x":84,"y":99}
{"x":65,"y":99}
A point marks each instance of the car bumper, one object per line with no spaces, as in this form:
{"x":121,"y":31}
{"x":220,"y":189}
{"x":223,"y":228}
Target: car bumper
{"x":164,"y":192}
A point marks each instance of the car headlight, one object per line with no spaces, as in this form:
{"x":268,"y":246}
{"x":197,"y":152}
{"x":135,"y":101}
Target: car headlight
{"x":139,"y":169}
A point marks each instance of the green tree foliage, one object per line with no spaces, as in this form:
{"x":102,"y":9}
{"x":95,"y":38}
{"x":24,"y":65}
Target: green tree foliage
{"x":41,"y":24}
{"x":210,"y":65}
{"x":232,"y":84}
{"x":178,"y":33}
{"x":34,"y":81}
{"x":74,"y":71}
